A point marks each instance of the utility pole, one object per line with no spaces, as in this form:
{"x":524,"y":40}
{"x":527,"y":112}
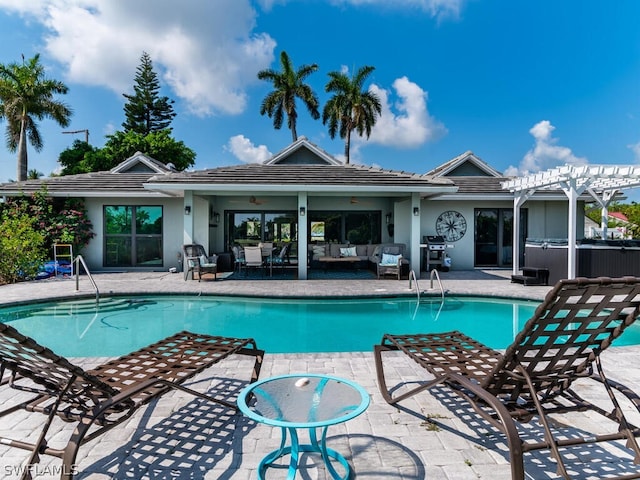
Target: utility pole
{"x":85,"y":131}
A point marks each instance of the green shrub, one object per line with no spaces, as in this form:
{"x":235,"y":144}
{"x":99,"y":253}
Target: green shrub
{"x":22,"y":250}
{"x":60,"y":220}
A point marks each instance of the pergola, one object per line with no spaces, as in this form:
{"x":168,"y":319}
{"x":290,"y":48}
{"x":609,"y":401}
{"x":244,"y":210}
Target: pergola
{"x":602,"y":182}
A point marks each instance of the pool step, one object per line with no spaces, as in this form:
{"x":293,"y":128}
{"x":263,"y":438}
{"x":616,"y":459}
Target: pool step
{"x":106,"y":305}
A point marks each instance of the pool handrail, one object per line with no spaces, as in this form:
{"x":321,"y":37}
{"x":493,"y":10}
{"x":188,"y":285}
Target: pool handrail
{"x":78,"y":260}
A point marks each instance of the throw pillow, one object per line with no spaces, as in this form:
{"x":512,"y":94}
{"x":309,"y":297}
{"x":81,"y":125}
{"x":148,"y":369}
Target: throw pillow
{"x":390,"y":259}
{"x":203,"y":260}
{"x":348,"y":252}
{"x":319,"y":250}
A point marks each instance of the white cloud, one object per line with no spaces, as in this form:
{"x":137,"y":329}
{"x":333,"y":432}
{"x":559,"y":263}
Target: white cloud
{"x":412,"y":126}
{"x":545,"y":153}
{"x":207,"y":52}
{"x":245,"y":151}
{"x":635,"y":148}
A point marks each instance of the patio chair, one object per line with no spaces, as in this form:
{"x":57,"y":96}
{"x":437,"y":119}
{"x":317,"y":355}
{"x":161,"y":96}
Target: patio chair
{"x":238,"y":257}
{"x":197,"y":261}
{"x":390,"y":265}
{"x":560,"y":344}
{"x":253,"y":259}
{"x":282,"y":258}
{"x":103,"y":397}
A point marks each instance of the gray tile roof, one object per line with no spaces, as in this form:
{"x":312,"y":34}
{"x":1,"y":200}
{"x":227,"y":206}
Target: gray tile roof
{"x":241,"y":177}
{"x":477,"y":184}
{"x":95,"y":184}
{"x":297,"y":175}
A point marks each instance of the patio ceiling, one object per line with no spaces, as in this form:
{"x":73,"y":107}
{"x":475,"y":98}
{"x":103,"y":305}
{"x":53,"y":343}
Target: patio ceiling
{"x":602,"y":182}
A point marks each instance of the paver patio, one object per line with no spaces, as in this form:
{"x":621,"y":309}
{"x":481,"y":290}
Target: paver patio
{"x":432,"y":436}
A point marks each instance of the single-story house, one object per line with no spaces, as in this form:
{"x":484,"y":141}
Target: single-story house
{"x":144,"y":211}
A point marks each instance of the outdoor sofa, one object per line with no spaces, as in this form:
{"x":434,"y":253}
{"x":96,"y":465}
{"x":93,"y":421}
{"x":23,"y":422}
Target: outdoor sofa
{"x":369,"y":255}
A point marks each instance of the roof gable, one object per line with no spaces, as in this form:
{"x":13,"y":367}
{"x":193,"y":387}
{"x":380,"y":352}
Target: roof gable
{"x":302,"y":152}
{"x":141,"y":163}
{"x":465,"y":165}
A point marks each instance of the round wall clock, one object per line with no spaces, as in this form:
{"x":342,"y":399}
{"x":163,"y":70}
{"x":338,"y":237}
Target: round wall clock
{"x":451,"y":225}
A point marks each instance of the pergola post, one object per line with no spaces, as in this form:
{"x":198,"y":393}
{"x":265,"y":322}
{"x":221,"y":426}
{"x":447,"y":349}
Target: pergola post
{"x":603,"y":203}
{"x":571,"y":190}
{"x":518,"y":199}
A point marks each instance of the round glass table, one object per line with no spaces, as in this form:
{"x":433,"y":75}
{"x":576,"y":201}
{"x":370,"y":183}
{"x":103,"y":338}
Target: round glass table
{"x":303,"y":402}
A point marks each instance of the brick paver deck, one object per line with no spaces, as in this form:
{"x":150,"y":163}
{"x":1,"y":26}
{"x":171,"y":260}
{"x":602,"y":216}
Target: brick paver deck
{"x":432,"y":436}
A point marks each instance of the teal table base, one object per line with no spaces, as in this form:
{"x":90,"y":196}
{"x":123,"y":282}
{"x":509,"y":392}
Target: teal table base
{"x":295,"y":449}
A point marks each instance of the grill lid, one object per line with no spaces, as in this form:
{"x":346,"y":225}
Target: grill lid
{"x":435,"y":239}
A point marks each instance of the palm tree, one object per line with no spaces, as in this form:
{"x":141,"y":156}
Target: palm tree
{"x":288,"y":84}
{"x":26,"y":95}
{"x":350,"y":108}
{"x":34,"y":174}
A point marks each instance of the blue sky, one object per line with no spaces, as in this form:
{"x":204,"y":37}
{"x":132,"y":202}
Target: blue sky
{"x":525,"y":85}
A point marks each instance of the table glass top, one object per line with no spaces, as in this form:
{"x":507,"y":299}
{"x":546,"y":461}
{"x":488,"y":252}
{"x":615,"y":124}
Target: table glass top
{"x":303,"y":400}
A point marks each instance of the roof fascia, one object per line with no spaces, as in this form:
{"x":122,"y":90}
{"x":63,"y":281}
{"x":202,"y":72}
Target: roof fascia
{"x":300,"y":188}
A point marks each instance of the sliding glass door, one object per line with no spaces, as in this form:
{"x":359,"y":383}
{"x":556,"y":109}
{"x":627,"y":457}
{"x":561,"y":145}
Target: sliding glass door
{"x":494,"y":236}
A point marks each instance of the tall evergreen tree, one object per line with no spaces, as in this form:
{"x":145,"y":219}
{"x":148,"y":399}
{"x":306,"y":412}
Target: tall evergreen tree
{"x":146,"y":111}
{"x":26,"y":96}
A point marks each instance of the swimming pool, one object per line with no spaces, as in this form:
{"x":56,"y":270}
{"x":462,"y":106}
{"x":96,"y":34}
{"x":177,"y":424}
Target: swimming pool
{"x":119,"y":325}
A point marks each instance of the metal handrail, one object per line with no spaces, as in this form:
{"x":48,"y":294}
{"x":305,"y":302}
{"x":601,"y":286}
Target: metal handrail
{"x":79,"y":259}
{"x":412,"y":276}
{"x":434,"y":273}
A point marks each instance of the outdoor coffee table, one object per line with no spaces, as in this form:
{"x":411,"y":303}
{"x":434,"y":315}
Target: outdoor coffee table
{"x":303,"y":402}
{"x":339,"y":260}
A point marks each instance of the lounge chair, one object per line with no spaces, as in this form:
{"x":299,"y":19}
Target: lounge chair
{"x":105,"y":396}
{"x":197,"y":261}
{"x":561,"y":343}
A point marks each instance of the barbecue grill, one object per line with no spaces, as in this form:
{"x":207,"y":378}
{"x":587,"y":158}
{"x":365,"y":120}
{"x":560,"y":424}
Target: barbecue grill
{"x":434,"y":253}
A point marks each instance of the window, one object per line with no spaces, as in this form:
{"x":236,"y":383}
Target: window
{"x":342,"y":227}
{"x":133,"y":236}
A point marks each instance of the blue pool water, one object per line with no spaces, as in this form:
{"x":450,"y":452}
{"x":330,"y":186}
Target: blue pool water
{"x":122,"y":324}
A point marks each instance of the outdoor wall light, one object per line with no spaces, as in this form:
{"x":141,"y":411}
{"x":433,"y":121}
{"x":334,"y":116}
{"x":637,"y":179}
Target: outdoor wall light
{"x":388,"y":218}
{"x":187,"y":210}
{"x":216,"y":217}
{"x":303,"y":211}
{"x":416,"y":211}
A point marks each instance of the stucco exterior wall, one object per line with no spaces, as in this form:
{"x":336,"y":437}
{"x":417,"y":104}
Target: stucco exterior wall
{"x":173,"y":212}
{"x":546,"y":219}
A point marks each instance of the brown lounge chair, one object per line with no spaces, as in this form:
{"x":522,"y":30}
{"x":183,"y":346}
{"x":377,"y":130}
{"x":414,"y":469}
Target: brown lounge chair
{"x":561,"y":343}
{"x":105,"y":396}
